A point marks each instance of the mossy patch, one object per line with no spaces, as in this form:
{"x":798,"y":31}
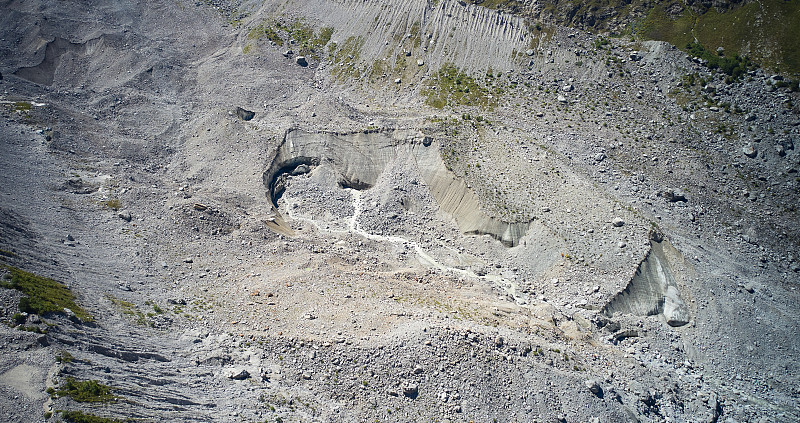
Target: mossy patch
{"x":298,"y":33}
{"x":308,"y":43}
{"x":452,"y":87}
{"x":345,"y":58}
{"x":43,"y":295}
{"x":130,"y":309}
{"x":265,"y":30}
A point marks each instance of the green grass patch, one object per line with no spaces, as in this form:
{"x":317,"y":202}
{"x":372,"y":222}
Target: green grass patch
{"x":324,"y":36}
{"x":81,"y":417}
{"x":768,"y":31}
{"x":156,"y":308}
{"x":345,"y":57}
{"x":452,"y":87}
{"x":299,"y":32}
{"x":130,"y":309}
{"x":657,"y":25}
{"x":113,"y":204}
{"x":22,"y":106}
{"x":86,"y":391}
{"x":272,"y":35}
{"x":43,"y":295}
{"x":265,"y":30}
{"x":379,"y":67}
{"x":306,"y":41}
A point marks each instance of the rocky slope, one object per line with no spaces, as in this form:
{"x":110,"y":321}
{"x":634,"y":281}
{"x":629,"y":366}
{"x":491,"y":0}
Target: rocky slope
{"x":357,"y":210}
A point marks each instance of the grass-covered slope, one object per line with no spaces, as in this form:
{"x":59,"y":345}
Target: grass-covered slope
{"x":767,"y":31}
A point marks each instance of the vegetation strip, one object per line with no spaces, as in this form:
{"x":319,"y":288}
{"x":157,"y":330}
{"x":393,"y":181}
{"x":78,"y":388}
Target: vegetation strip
{"x":84,"y":391}
{"x":43,"y":295}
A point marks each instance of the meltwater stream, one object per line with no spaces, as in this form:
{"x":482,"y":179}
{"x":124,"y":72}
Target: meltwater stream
{"x":509,"y":287}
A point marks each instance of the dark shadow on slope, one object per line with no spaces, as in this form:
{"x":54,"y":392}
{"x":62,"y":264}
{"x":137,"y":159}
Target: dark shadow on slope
{"x":44,"y":72}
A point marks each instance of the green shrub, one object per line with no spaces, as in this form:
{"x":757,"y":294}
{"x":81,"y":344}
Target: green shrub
{"x":19,"y":318}
{"x":600,"y":42}
{"x":64,"y":357}
{"x":793,"y":85}
{"x":735,"y":66}
{"x":451,"y":86}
